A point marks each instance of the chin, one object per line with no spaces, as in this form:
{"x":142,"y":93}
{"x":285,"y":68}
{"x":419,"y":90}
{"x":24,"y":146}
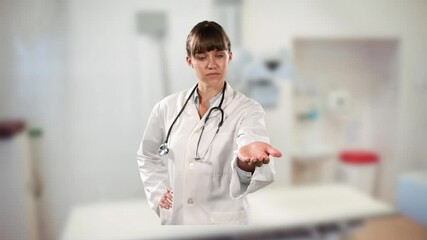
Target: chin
{"x":213,"y":81}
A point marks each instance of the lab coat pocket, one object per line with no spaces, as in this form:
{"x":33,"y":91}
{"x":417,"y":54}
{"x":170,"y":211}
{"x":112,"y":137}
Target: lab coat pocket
{"x":165,"y":216}
{"x":229,"y":218}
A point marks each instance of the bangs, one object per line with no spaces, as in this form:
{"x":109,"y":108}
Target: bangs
{"x":208,"y":40}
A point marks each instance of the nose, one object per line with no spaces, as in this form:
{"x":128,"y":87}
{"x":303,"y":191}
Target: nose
{"x":212,"y":62}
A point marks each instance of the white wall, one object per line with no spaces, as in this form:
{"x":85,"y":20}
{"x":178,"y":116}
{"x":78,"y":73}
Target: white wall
{"x":275,"y":24}
{"x":109,"y":98}
{"x":106,"y":110}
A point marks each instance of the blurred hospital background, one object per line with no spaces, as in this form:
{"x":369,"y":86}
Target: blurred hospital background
{"x":343,"y":83}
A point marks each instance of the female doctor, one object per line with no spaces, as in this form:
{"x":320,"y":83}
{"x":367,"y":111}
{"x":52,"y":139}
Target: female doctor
{"x":213,"y":140}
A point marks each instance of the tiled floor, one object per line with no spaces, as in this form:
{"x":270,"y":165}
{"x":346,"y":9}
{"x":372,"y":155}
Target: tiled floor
{"x":391,"y":228}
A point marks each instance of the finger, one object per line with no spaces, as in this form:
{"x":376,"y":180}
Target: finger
{"x":168,"y":196}
{"x":265,"y":157}
{"x":273,"y":152}
{"x":243,"y":157}
{"x":253,"y":159}
{"x":267,"y":161}
{"x":243,"y":161}
{"x":163,"y":204}
{"x":259,"y":164}
{"x":164,"y":200}
{"x":168,"y":201}
{"x":166,"y":204}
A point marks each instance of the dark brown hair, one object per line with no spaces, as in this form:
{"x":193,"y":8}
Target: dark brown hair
{"x":207,"y":36}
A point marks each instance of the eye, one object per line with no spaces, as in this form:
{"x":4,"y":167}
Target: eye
{"x":200,"y":57}
{"x":219,"y":55}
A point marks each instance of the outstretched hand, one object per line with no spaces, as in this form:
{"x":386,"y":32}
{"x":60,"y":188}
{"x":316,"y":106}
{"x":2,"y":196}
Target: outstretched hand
{"x":256,"y":154}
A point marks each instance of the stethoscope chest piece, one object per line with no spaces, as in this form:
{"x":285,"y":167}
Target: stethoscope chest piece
{"x":163,"y":149}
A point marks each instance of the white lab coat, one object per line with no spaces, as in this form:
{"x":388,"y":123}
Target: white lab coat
{"x":206,"y":191}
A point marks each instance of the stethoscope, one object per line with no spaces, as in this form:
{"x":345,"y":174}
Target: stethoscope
{"x":164,"y":149}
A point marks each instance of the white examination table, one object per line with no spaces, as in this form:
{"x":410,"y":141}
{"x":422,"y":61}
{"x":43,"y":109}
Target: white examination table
{"x":309,"y":212}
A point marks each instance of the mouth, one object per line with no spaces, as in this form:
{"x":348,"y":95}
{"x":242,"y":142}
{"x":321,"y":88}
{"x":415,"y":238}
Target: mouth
{"x":212,"y":74}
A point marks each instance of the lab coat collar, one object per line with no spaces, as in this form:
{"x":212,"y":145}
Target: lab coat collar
{"x":192,"y":111}
{"x":196,"y":99}
{"x":228,"y":94}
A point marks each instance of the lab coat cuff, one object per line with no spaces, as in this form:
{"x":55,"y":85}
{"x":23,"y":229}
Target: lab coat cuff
{"x":244,"y":176}
{"x":261,"y":177}
{"x":237,"y":188}
{"x":265,"y":173}
{"x":155,"y":196}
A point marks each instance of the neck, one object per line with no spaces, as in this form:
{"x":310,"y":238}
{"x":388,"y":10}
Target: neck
{"x":207,"y":92}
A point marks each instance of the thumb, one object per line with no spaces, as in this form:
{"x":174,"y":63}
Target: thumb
{"x":273,"y":152}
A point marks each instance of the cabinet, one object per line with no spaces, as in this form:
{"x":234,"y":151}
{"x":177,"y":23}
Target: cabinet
{"x":17,"y":201}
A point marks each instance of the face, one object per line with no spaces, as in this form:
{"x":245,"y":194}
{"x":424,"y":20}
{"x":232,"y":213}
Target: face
{"x":210,"y":67}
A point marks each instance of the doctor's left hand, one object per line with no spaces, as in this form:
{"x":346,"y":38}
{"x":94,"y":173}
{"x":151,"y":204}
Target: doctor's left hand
{"x":256,"y":154}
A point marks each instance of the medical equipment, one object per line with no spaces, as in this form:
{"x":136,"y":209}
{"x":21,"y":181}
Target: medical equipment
{"x":164,"y":149}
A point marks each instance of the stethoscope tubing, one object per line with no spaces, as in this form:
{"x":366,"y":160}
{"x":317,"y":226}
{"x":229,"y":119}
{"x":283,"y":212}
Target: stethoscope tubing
{"x":164,"y":149}
{"x":203,"y":129}
{"x":179,"y":114}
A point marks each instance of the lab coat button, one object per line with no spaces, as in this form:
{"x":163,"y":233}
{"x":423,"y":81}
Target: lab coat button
{"x":192,"y":164}
{"x":190,"y":201}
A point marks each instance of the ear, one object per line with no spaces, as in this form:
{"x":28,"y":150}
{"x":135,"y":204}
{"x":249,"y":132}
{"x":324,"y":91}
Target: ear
{"x":188,"y":60}
{"x":230,"y":56}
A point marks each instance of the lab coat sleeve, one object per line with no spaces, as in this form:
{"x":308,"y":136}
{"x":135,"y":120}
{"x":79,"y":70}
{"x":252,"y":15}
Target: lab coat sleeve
{"x":153,"y":170}
{"x":252,"y":129}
